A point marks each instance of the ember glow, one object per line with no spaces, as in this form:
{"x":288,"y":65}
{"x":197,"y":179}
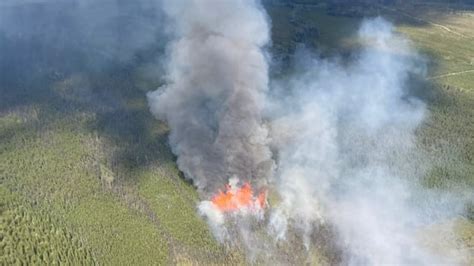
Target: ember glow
{"x":237,"y":198}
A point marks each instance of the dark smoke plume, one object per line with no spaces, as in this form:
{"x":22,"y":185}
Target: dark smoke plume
{"x":217,"y":79}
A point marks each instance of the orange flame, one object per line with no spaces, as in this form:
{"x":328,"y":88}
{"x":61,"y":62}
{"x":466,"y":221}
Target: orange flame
{"x":235,"y":199}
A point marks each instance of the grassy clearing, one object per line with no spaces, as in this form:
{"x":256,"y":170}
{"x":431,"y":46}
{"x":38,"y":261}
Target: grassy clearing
{"x":447,"y":37}
{"x":164,"y":196}
{"x":124,"y":237}
{"x":440,"y":240}
{"x":189,"y":234}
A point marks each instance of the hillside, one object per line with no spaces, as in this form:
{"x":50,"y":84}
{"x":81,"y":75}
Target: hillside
{"x":88,"y":176}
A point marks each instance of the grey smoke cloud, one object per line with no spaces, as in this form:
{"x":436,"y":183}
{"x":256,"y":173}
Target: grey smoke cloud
{"x":342,"y":134}
{"x":217,"y":77}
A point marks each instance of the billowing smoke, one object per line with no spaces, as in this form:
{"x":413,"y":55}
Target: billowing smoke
{"x":347,"y":152}
{"x":217,"y":79}
{"x":334,"y":144}
{"x":342,"y":135}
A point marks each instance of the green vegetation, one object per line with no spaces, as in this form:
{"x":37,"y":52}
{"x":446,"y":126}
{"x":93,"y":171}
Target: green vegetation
{"x":82,"y":185}
{"x":448,"y":38}
{"x":178,"y":217}
{"x":30,"y":236}
{"x":53,"y":170}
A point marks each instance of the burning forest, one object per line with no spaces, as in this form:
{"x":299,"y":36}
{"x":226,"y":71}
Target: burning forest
{"x":259,"y":132}
{"x":237,"y":198}
{"x":333,"y":143}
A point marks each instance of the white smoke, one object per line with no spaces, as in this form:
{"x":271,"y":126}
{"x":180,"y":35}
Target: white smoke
{"x":345,"y":136}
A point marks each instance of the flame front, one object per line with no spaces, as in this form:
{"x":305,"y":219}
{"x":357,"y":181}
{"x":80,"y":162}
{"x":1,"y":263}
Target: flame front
{"x":233,"y":199}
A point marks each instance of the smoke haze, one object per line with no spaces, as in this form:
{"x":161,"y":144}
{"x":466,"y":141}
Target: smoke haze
{"x":44,"y":38}
{"x":347,"y":153}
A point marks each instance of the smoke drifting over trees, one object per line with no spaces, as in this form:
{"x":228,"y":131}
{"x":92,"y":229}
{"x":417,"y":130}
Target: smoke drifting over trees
{"x":217,"y":80}
{"x":343,"y":139}
{"x":334,"y":144}
{"x":343,"y":135}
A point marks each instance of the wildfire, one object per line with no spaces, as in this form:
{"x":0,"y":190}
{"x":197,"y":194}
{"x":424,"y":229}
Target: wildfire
{"x":233,"y":199}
